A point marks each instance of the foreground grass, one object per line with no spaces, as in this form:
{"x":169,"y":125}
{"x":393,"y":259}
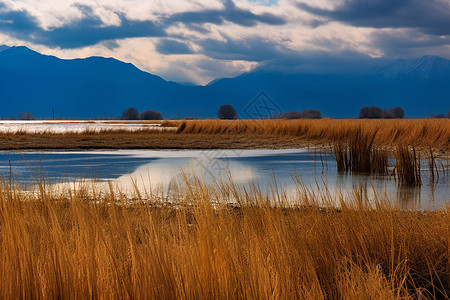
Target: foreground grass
{"x":84,"y":245}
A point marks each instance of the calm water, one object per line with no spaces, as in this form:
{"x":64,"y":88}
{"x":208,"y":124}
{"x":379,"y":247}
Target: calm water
{"x":156,"y":169}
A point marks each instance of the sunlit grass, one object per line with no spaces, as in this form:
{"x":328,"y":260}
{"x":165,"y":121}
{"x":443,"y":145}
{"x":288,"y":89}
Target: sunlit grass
{"x":218,"y":240}
{"x":419,"y":132}
{"x":423,"y":134}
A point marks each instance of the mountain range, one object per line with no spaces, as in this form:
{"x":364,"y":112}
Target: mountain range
{"x":96,"y":87}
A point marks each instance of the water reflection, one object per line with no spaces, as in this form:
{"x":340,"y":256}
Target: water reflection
{"x":162,"y":170}
{"x":410,"y":197}
{"x":163,"y":173}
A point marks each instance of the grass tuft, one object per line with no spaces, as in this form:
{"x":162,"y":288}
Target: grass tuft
{"x":358,"y":154}
{"x":407,"y":166}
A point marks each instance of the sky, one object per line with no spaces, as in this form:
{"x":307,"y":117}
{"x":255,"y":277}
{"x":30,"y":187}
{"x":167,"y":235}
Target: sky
{"x":201,"y":40}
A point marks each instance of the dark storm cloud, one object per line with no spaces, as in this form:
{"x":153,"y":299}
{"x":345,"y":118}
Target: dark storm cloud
{"x":169,"y":46}
{"x":88,"y":31}
{"x":17,"y":23}
{"x":252,"y":49}
{"x":408,"y":42}
{"x":323,"y":62}
{"x":432,"y":17}
{"x":230,"y":13}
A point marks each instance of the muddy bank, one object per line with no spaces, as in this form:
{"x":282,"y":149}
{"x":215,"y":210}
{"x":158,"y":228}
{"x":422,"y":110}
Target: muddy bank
{"x":147,"y":141}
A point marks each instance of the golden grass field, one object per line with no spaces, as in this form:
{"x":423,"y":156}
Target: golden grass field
{"x":80,"y":244}
{"x":418,"y":132}
{"x":86,"y":243}
{"x":242,"y":134}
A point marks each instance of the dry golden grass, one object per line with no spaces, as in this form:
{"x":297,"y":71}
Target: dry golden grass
{"x":407,"y":166}
{"x":420,"y":132}
{"x":67,"y":246}
{"x":357,"y":154}
{"x":143,"y":140}
{"x":243,"y":134}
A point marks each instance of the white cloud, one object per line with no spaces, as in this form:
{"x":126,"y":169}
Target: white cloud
{"x":252,"y":43}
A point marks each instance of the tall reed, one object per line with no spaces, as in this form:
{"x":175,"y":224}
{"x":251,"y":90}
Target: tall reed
{"x":55,"y":245}
{"x":407,"y":166}
{"x":358,"y":154}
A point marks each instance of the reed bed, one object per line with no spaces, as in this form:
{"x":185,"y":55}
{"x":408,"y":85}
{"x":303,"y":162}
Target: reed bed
{"x":358,"y":154}
{"x":420,"y":132}
{"x":244,"y":134}
{"x":407,"y":166}
{"x":80,"y":244}
{"x":104,"y":131}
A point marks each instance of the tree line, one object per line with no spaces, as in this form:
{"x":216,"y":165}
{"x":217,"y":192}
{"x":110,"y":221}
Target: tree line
{"x":374,"y":112}
{"x":228,"y":112}
{"x":304,"y":114}
{"x":133,"y":114}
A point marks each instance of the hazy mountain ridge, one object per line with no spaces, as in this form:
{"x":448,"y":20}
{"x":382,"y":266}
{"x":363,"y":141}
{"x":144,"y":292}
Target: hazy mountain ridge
{"x":421,"y":68}
{"x":97,"y":86}
{"x":3,"y":48}
{"x":78,"y":88}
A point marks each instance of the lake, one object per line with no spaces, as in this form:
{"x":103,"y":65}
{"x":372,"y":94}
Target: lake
{"x":158,"y":169}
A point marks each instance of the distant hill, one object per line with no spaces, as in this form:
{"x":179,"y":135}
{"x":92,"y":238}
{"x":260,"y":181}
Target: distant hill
{"x":420,"y":86}
{"x":423,"y":68}
{"x":79,"y":88}
{"x":3,"y":47}
{"x":96,"y":87}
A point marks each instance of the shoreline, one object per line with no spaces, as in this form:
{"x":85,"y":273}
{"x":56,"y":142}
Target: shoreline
{"x":171,"y":141}
{"x":149,"y":141}
{"x":423,"y":135}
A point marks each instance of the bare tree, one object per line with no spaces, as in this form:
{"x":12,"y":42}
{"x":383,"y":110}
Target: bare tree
{"x":27,"y":116}
{"x":304,"y":114}
{"x":372,"y":112}
{"x":227,"y":112}
{"x":291,"y":115}
{"x":130,"y":114}
{"x":396,"y":113}
{"x":311,"y":114}
{"x":150,"y":115}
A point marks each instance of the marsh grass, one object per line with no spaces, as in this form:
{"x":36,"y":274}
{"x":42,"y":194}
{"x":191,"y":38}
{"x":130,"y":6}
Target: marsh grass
{"x":407,"y":166}
{"x":245,"y":134}
{"x":433,"y":167}
{"x":201,"y":246}
{"x":421,"y":132}
{"x":425,"y":133}
{"x":135,"y":131}
{"x":358,"y":154}
{"x":379,"y":161}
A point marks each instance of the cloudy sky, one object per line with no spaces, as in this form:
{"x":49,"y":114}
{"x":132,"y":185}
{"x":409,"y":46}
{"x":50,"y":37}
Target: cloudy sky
{"x":200,"y":40}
